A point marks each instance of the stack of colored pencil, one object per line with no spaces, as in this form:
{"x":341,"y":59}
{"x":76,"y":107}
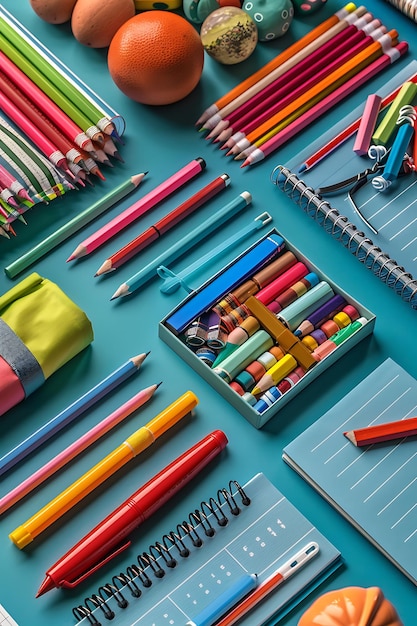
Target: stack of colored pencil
{"x":55,"y":132}
{"x":301,"y":83}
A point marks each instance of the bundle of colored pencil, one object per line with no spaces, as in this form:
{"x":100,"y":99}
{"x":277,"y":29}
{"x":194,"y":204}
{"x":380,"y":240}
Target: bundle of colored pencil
{"x":66,"y":133}
{"x":300,"y":84}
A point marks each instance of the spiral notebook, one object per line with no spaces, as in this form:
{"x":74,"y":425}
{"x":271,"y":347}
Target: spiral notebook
{"x":408,"y":7}
{"x":251,"y":529}
{"x":5,"y":618}
{"x":374,"y":487}
{"x":385,"y":241}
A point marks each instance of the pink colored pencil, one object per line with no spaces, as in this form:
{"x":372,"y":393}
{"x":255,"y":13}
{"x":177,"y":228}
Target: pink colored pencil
{"x":45,"y":104}
{"x":327,"y":103}
{"x":69,"y":453}
{"x":338,"y":62}
{"x":11,"y":182}
{"x":36,"y":116}
{"x":139,"y":208}
{"x":344,"y":135}
{"x":33,"y":133}
{"x":284,"y":67}
{"x":296,"y":76}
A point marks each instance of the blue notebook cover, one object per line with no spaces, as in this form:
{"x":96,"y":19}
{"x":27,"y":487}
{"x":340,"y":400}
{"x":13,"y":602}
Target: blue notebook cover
{"x":370,"y":221}
{"x":374,"y":487}
{"x":265,"y":534}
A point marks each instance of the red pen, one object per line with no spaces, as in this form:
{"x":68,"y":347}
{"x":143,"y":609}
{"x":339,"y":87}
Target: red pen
{"x":164,"y":224}
{"x":110,"y":537}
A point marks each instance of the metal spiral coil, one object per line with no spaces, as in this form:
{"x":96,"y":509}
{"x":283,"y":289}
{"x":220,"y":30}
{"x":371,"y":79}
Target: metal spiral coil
{"x":162,"y":555}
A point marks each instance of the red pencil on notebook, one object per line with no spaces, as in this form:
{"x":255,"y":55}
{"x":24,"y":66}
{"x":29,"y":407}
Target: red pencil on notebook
{"x":382,"y":432}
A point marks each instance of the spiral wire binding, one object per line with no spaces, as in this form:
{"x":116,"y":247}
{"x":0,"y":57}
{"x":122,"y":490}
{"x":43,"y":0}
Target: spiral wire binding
{"x":345,"y":231}
{"x":149,"y":563}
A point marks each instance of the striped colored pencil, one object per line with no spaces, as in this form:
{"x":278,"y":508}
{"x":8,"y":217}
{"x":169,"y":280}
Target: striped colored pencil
{"x":316,"y":93}
{"x":280,"y":70}
{"x":275,"y":62}
{"x":330,"y":64}
{"x":292,"y":79}
{"x":33,"y":132}
{"x":37,"y":172}
{"x":346,"y":133}
{"x":290,"y":131}
{"x":48,"y":107}
{"x":378,"y":433}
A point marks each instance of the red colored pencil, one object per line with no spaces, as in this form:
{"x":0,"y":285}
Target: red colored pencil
{"x":382,"y":432}
{"x":155,"y":231}
{"x":344,"y":135}
{"x":298,"y":124}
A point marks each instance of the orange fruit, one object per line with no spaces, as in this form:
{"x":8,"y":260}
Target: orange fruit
{"x":156,"y":57}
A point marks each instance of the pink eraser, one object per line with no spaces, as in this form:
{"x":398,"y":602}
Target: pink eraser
{"x":367,"y":125}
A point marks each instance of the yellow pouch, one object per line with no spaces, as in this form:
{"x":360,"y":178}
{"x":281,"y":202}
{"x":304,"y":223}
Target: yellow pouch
{"x":41,"y":329}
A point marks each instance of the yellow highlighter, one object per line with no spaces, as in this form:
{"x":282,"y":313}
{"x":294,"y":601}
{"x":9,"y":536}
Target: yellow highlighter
{"x":134,"y":445}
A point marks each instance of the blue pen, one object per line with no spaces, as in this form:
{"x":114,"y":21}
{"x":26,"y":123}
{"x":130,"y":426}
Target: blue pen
{"x":182,"y":245}
{"x":244,"y":267}
{"x":69,"y":414}
{"x":225,"y":601}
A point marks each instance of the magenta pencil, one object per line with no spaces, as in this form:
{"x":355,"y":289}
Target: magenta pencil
{"x":33,"y":133}
{"x":239,"y":139}
{"x":327,"y":103}
{"x":44,"y":125}
{"x":45,"y":104}
{"x":139,"y":208}
{"x":296,"y":76}
{"x":69,"y":453}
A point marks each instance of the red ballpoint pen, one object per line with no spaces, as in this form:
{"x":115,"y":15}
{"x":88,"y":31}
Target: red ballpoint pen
{"x":167,"y":222}
{"x":110,"y":537}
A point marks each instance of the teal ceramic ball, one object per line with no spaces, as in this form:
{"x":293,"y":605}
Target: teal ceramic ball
{"x":272,"y":17}
{"x":229,"y":35}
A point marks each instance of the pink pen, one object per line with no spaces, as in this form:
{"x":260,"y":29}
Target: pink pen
{"x":139,"y":208}
{"x":69,"y":453}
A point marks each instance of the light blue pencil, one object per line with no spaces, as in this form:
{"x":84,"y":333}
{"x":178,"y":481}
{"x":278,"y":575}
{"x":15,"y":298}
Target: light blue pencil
{"x":73,"y":411}
{"x":184,"y":244}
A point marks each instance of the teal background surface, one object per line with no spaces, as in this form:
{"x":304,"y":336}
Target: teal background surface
{"x":160,"y":140}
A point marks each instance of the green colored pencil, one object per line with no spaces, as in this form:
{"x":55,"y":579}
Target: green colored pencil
{"x":32,"y":54}
{"x":74,"y":225}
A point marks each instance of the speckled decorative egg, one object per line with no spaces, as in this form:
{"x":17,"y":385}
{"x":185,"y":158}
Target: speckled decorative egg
{"x":229,"y":35}
{"x":308,"y":6}
{"x":272,"y":17}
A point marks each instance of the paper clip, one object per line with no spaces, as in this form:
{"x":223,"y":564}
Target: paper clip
{"x":398,"y":152}
{"x":173,"y":281}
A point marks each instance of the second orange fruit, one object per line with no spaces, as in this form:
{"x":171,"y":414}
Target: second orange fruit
{"x":156,"y":58}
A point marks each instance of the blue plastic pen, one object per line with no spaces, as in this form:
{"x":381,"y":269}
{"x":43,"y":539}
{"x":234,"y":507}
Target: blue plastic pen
{"x":69,"y":414}
{"x":225,"y":601}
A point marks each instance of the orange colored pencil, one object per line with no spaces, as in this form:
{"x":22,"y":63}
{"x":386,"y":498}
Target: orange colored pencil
{"x":283,"y":56}
{"x":317,"y":93}
{"x":382,"y":432}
